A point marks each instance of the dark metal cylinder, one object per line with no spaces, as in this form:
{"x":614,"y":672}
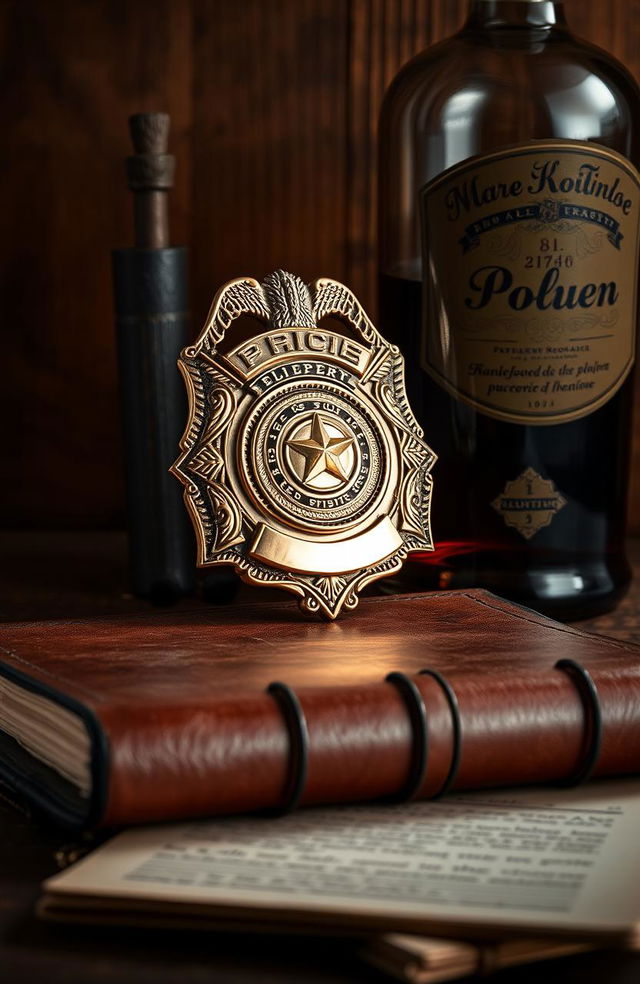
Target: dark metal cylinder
{"x":150,"y":291}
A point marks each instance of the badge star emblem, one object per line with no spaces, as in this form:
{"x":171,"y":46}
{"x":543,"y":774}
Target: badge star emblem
{"x":320,"y":452}
{"x":302,"y":463}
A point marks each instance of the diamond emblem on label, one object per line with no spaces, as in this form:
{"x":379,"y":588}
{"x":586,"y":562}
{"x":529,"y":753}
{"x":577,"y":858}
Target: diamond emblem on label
{"x":529,"y":503}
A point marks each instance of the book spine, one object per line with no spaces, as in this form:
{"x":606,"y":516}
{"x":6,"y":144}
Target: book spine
{"x":409,"y":739}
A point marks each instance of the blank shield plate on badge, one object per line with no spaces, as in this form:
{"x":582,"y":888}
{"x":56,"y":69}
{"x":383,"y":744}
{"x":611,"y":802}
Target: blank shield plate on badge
{"x":302,"y":463}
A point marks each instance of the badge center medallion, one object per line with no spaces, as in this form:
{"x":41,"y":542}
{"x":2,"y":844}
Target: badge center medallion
{"x":313,"y":455}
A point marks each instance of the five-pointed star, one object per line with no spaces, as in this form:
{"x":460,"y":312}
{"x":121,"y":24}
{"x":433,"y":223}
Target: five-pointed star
{"x":321,"y":452}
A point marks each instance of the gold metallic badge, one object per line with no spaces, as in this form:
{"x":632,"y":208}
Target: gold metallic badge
{"x":302,"y":463}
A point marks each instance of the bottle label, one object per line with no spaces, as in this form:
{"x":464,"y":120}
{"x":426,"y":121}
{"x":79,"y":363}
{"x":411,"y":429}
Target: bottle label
{"x":531,"y":260}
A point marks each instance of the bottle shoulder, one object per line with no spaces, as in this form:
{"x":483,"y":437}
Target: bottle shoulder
{"x":606,"y":67}
{"x":427,"y":71}
{"x":561,"y":66}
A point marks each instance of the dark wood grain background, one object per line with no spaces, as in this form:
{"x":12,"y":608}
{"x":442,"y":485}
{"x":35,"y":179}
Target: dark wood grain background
{"x":274,"y":106}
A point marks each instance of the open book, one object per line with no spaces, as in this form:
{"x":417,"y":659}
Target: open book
{"x":539,"y":863}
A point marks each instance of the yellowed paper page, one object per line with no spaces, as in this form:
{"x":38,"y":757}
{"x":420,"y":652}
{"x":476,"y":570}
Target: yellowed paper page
{"x":539,"y":860}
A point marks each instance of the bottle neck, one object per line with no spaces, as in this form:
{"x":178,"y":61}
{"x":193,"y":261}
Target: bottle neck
{"x":515,"y":13}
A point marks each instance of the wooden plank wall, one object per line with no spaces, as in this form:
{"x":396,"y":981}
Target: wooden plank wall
{"x":274,"y":106}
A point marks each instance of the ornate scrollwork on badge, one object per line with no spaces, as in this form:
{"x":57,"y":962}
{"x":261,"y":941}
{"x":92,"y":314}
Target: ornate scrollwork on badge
{"x":302,"y":463}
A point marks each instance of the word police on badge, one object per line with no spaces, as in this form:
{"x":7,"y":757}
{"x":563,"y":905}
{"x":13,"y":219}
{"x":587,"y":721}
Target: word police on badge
{"x":302,"y":463}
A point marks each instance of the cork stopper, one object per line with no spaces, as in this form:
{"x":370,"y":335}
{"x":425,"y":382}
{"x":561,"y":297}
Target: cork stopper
{"x":151,"y":167}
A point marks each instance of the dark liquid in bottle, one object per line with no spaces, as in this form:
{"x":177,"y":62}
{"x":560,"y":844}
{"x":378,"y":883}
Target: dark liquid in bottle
{"x":576,"y":564}
{"x":514,"y":74}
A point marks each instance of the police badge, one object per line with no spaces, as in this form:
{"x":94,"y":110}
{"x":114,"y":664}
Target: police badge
{"x":302,"y":463}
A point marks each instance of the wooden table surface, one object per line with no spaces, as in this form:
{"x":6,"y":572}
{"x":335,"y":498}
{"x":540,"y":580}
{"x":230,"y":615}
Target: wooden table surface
{"x":49,"y":575}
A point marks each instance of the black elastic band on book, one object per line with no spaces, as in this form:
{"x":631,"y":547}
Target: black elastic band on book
{"x":298,"y":742}
{"x":420,"y":747}
{"x":456,"y":726}
{"x":593,"y":717}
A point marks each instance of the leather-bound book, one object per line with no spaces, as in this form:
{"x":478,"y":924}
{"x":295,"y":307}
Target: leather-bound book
{"x":125,"y":720}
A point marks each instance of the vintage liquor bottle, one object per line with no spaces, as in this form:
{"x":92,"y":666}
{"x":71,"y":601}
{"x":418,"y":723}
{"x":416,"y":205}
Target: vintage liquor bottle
{"x":508,"y":158}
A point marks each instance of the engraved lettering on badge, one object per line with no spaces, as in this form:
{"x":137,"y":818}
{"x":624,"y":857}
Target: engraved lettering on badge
{"x":529,"y":503}
{"x":301,"y":369}
{"x":302,"y":463}
{"x":269,"y":348}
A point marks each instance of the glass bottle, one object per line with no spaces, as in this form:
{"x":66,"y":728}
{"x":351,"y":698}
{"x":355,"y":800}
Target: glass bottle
{"x":528,"y":409}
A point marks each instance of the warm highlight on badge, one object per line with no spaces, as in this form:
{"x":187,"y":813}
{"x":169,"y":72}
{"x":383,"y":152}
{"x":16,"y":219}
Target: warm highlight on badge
{"x":302,"y":462}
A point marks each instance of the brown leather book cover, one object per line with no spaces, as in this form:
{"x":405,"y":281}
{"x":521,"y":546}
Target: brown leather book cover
{"x":163,"y":716}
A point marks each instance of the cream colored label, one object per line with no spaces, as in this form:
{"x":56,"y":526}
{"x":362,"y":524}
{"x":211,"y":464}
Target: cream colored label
{"x":532,"y":260}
